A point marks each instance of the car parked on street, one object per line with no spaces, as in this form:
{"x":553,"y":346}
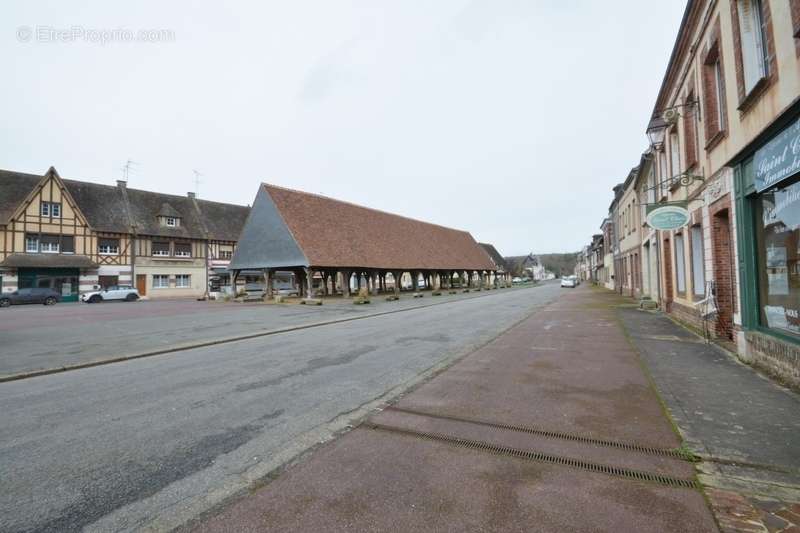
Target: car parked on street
{"x":32,"y":295}
{"x":113,"y":292}
{"x":568,"y":282}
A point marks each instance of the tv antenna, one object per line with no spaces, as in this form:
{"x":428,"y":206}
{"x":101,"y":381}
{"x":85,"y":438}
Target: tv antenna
{"x":127,"y":168}
{"x":197,"y":182}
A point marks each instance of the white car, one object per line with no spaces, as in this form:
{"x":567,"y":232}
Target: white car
{"x":568,"y":282}
{"x":113,"y":292}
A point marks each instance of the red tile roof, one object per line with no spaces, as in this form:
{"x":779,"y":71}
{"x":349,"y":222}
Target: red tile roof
{"x":333,"y":233}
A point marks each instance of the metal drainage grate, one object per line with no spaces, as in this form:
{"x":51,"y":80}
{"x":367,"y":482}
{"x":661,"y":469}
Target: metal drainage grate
{"x":665,"y":452}
{"x":542,"y":457}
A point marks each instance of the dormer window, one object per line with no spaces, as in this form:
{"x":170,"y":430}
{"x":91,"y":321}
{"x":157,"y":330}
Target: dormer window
{"x":168,"y":216}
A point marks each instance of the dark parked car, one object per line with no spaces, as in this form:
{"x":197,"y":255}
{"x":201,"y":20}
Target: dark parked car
{"x":30,"y":296}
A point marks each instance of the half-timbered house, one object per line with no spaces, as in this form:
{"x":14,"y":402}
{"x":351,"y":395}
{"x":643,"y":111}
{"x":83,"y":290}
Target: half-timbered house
{"x":74,"y":236}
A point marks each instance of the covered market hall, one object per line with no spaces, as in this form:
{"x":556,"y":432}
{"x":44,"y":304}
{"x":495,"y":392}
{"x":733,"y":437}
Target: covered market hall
{"x":334,"y":247}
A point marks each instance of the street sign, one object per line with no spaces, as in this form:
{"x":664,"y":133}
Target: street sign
{"x":668,"y":216}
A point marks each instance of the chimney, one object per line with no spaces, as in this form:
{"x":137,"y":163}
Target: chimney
{"x":122,"y":184}
{"x":190,"y":194}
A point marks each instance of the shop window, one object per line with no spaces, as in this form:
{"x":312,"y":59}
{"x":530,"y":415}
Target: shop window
{"x":160,"y":281}
{"x":183,"y":281}
{"x":161,"y":248}
{"x":183,"y":249}
{"x":108,"y":246}
{"x":698,"y":264}
{"x":680,"y":263}
{"x":778,"y":250}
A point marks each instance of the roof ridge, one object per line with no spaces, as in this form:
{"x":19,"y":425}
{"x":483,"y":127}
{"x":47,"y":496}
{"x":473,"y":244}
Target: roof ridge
{"x":322,"y":196}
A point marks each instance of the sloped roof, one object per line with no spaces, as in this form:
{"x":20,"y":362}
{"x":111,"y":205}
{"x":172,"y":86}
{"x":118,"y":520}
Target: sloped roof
{"x":14,"y":187}
{"x":102,"y":205}
{"x":311,"y":230}
{"x":168,"y":211}
{"x":116,"y":209}
{"x":224,"y":222}
{"x":494,"y":255}
{"x":48,"y":260}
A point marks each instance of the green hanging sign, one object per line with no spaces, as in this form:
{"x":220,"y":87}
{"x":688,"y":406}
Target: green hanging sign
{"x":668,"y":216}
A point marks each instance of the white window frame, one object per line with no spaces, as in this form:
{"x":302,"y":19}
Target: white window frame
{"x":674,"y":156}
{"x":161,"y":253}
{"x":50,"y":209}
{"x":180,"y":283}
{"x":753,"y":43}
{"x":172,"y":222}
{"x":181,"y":253}
{"x":698,"y":261}
{"x":32,"y":249}
{"x":49,"y":247}
{"x":680,"y":263}
{"x":160,"y":277}
{"x":106,"y":249}
{"x":719,"y":81}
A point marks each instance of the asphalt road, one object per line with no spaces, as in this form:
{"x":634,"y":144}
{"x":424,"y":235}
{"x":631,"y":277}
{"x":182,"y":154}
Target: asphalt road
{"x":78,"y":333}
{"x":150,"y":443}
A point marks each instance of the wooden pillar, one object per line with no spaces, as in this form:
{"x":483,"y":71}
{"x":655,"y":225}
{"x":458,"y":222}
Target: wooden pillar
{"x":309,"y":282}
{"x":267,"y":283}
{"x":234,"y":275}
{"x":346,"y":283}
{"x":397,"y":275}
{"x":374,"y":277}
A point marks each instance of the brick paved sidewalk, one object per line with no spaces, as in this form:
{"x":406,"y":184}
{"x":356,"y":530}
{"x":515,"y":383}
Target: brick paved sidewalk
{"x":745,"y":427}
{"x":553,"y":426}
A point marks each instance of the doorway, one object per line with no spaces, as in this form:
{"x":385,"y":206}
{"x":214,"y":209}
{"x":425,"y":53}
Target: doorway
{"x":141,"y":284}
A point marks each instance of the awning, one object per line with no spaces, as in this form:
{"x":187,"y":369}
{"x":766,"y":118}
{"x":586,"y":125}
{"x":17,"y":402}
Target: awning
{"x":48,"y":261}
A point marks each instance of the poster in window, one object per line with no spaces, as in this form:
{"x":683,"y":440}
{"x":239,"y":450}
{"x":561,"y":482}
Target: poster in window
{"x":776,"y":257}
{"x":778,"y":282}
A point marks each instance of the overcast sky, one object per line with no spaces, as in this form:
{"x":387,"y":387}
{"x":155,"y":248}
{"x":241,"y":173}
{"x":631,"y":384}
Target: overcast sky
{"x":511,"y":120}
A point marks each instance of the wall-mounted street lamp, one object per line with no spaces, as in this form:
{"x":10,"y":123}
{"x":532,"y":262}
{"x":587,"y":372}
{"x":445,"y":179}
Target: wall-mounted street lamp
{"x":656,"y":131}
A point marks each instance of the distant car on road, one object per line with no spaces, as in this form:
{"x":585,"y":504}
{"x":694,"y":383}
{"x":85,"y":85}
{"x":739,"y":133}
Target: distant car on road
{"x":568,"y":282}
{"x":33,"y":295}
{"x":516,"y":280}
{"x":114,"y":292}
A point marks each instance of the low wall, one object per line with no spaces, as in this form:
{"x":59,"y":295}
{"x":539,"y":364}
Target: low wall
{"x":774,"y":356}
